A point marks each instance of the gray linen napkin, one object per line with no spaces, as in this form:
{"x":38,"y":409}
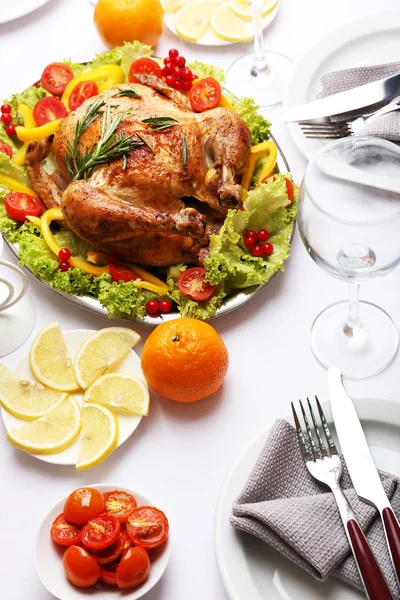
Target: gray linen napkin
{"x":386,"y":126}
{"x":282,"y":505}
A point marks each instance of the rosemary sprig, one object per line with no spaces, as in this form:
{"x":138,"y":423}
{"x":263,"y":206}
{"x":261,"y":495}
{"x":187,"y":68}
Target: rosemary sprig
{"x":184,"y":150}
{"x":91,"y":114}
{"x":130,"y":93}
{"x":145,"y":143}
{"x":159,"y":123}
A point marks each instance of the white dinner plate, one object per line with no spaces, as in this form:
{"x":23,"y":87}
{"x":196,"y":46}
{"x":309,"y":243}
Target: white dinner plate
{"x":371,"y":40}
{"x":127,"y":424}
{"x":249,"y":568}
{"x":47,"y":557}
{"x":13,"y":9}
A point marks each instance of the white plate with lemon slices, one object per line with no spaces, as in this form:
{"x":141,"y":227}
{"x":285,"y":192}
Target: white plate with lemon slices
{"x":90,"y":422}
{"x":215,"y":22}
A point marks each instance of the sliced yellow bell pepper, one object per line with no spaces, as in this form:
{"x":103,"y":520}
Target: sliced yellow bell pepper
{"x":29,"y":134}
{"x":30,"y":123}
{"x":110,"y":75}
{"x":258,"y":151}
{"x":16,"y":186}
{"x":150,"y":282}
{"x":35,"y":220}
{"x":225,"y":103}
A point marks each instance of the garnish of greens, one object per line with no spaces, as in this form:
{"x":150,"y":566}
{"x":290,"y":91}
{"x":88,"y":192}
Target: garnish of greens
{"x":184,"y":150}
{"x":130,"y":93}
{"x":109,"y":147}
{"x":159,"y":123}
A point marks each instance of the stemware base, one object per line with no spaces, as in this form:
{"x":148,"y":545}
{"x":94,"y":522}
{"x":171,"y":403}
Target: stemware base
{"x":360,"y":352}
{"x":16,"y":324}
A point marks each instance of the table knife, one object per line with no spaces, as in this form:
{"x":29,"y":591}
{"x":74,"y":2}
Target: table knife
{"x":360,"y":463}
{"x":343,"y":102}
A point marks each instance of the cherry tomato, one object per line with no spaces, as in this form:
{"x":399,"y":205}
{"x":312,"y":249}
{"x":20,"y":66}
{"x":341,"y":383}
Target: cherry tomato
{"x":250,"y":232}
{"x":165,"y":306}
{"x":170,"y":80}
{"x":109,"y":573}
{"x":18,"y":206}
{"x":119,"y":504}
{"x":173,"y":53}
{"x":262,"y":235}
{"x":10,"y":130}
{"x":147,"y":526}
{"x":120,"y":273}
{"x":6,"y":148}
{"x":205,"y":94}
{"x":249,"y":241}
{"x":101,"y":532}
{"x":64,"y":533}
{"x":192,"y":285}
{"x":83,"y":504}
{"x":144,"y":66}
{"x":152,"y":307}
{"x":289,"y":186}
{"x":81,"y":92}
{"x":55,"y":78}
{"x":48,"y":109}
{"x":134,"y":568}
{"x":257,"y":250}
{"x":64,"y":254}
{"x":268,"y":249}
{"x":127,"y":539}
{"x":80,"y":567}
{"x":111,"y":553}
{"x":5,"y":108}
{"x":6,"y":118}
{"x":64,"y":265}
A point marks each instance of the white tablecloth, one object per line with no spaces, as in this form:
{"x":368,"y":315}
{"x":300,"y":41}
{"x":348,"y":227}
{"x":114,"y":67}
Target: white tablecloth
{"x":180,"y":455}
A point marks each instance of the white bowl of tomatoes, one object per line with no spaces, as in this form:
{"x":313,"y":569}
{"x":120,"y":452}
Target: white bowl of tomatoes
{"x":100,"y":540}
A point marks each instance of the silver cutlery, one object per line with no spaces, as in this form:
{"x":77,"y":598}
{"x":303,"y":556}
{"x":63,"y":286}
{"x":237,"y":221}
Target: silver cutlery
{"x":343,"y":102}
{"x":360,"y":463}
{"x":324,"y":464}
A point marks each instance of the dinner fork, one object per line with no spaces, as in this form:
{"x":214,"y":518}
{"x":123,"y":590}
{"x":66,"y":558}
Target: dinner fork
{"x":324,"y":464}
{"x":331,"y":130}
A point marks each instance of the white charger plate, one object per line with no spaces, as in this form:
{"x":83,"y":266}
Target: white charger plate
{"x":371,"y":40}
{"x":250,"y":569}
{"x":47,"y":557}
{"x":15,"y":9}
{"x":127,"y":424}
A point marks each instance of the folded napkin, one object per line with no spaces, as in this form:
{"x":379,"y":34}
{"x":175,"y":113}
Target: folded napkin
{"x":386,"y":126}
{"x":282,"y":505}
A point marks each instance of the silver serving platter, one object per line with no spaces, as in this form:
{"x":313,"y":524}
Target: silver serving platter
{"x":230,"y":303}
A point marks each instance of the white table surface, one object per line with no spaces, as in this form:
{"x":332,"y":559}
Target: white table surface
{"x":180,"y":455}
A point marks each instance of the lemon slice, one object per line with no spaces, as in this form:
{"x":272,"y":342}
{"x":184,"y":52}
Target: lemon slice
{"x":102,"y":350}
{"x":193,"y":19}
{"x":121,"y":393}
{"x":50,"y":434}
{"x":26,"y":399}
{"x":228,"y":26}
{"x":50,"y":361}
{"x":243,"y":10}
{"x":171,"y":6}
{"x":99,"y":435}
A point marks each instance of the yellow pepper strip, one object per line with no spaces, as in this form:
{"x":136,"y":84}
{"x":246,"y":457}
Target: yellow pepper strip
{"x":16,"y":186}
{"x":35,"y":220}
{"x":27,"y":134}
{"x":256,"y":152}
{"x":225,"y":103}
{"x":110,"y":75}
{"x":150,"y":282}
{"x":29,"y":122}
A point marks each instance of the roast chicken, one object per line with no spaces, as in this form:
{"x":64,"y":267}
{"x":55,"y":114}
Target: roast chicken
{"x":160,"y":206}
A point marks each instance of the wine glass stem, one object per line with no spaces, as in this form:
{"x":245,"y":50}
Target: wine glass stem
{"x":353,"y":323}
{"x":259,"y":52}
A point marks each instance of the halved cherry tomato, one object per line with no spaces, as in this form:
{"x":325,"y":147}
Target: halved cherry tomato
{"x":147,"y":526}
{"x":120,"y":273}
{"x":109,"y":573}
{"x":127,"y":539}
{"x":134,"y":568}
{"x":6,"y":148}
{"x":81,"y":92}
{"x":18,"y":206}
{"x":192,"y":285}
{"x":111,"y":553}
{"x":119,"y":504}
{"x":205,"y":94}
{"x":143,"y":66}
{"x":55,"y":78}
{"x":289,"y":186}
{"x":80,"y":567}
{"x":84,"y":504}
{"x":64,"y":533}
{"x":48,"y":109}
{"x":101,"y":532}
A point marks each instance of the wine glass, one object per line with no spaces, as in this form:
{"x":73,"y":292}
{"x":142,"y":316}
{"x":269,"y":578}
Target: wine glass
{"x":261,"y":74}
{"x":349,"y":221}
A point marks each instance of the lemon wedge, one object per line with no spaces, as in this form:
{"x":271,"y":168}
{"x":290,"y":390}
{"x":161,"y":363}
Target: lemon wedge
{"x":243,"y":10}
{"x":228,"y":26}
{"x":193,"y":19}
{"x":99,"y":435}
{"x":26,"y":399}
{"x":102,"y":350}
{"x":50,"y":434}
{"x":50,"y":361}
{"x":120,"y":393}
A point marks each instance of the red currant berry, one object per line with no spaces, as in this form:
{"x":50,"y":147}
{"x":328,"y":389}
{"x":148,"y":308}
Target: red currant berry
{"x":173,"y":53}
{"x":251,"y":233}
{"x":168,"y":69}
{"x":180,"y":61}
{"x":64,"y":265}
{"x":64,"y":254}
{"x":186,"y":75}
{"x":165,"y":306}
{"x":187,"y":86}
{"x":249,"y":241}
{"x":176,"y":71}
{"x":178,"y":84}
{"x":167,"y":61}
{"x":10,"y":130}
{"x":267,"y":249}
{"x":152,"y":307}
{"x":6,"y":108}
{"x":170,"y":80}
{"x":6,"y":118}
{"x":257,"y":250}
{"x":195,"y":76}
{"x":262,"y":235}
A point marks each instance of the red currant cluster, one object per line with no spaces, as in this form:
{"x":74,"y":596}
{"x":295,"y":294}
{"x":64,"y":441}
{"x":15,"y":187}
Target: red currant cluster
{"x":64,"y":255}
{"x":6,"y":117}
{"x":176,"y":74}
{"x":258,"y":242}
{"x":154,"y":307}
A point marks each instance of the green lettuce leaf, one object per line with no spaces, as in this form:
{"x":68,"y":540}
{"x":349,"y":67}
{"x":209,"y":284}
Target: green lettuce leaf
{"x":77,"y":68}
{"x":29,"y":97}
{"x":123,"y":300}
{"x":67,"y":239}
{"x":122,"y":55}
{"x":187,"y":307}
{"x":247,"y":109}
{"x":8,"y":168}
{"x":203,"y":70}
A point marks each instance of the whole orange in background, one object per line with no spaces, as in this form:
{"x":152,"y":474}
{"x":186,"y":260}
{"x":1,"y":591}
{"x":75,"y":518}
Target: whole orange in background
{"x":185,"y":360}
{"x":119,"y":21}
